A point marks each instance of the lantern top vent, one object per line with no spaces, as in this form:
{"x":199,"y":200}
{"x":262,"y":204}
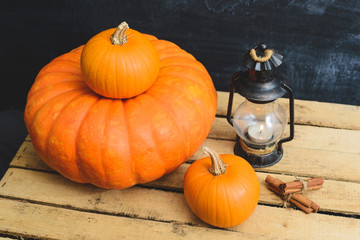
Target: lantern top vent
{"x":261,"y":58}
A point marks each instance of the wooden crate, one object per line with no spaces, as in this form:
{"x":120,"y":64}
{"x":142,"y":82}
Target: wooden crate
{"x":38,"y":203}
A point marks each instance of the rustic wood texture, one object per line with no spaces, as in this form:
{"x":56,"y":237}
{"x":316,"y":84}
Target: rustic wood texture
{"x":21,"y":183}
{"x":308,"y":112}
{"x":144,"y":204}
{"x":79,"y":225}
{"x":315,"y":151}
{"x":310,"y":137}
{"x":53,"y":207}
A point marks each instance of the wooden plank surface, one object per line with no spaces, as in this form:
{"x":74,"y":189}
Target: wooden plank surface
{"x":32,"y":220}
{"x":144,"y":204}
{"x":27,"y":157}
{"x":22,"y":183}
{"x":307,"y":155}
{"x":330,"y":197}
{"x":325,"y":144}
{"x":308,"y":112}
{"x":311,"y":137}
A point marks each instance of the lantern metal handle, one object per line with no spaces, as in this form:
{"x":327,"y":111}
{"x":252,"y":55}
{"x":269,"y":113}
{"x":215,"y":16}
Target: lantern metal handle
{"x":292,"y":120}
{"x":255,"y":57}
{"x":231,"y":97}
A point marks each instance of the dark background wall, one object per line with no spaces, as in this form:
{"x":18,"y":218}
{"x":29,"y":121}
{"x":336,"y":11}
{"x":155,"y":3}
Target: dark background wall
{"x":320,"y":40}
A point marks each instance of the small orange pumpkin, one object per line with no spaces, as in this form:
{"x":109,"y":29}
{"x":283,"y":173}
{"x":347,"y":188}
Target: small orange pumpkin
{"x":119,"y":64}
{"x":222,"y":190}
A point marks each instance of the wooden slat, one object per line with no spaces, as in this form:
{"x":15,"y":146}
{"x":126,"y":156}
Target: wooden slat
{"x":60,"y":206}
{"x":134,"y":202}
{"x":330,"y":198}
{"x":297,"y":161}
{"x":48,"y":222}
{"x":151,"y":204}
{"x":308,"y":112}
{"x":309,"y":137}
{"x":303,"y":162}
{"x":27,"y":157}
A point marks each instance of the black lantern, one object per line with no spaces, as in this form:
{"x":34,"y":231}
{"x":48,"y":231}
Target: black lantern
{"x":260,"y":120}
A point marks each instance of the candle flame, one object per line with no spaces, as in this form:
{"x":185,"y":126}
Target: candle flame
{"x":261,"y":128}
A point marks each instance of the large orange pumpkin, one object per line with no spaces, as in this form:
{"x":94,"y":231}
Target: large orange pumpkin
{"x":116,"y":143}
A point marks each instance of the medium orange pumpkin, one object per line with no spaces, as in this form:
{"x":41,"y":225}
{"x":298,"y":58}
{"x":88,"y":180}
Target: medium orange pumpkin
{"x":222,"y":190}
{"x":120,"y":64}
{"x":114,"y":143}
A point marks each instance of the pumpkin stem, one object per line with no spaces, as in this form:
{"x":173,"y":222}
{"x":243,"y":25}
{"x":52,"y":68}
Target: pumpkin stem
{"x":119,"y":36}
{"x":218,"y":167}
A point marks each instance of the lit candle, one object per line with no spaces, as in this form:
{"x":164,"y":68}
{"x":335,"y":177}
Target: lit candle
{"x":260,"y":134}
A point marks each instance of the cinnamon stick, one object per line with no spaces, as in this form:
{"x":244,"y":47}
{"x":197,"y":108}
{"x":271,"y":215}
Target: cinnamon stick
{"x":302,"y":199}
{"x":315,"y":207}
{"x":306,"y":202}
{"x":275,"y":182}
{"x":295,"y":190}
{"x":305,"y":209}
{"x":290,"y":191}
{"x":297,"y":199}
{"x":311,"y":182}
{"x":275,"y":190}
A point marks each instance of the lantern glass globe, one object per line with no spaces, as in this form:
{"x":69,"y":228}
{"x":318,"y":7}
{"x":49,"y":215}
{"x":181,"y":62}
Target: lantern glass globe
{"x":260,"y":124}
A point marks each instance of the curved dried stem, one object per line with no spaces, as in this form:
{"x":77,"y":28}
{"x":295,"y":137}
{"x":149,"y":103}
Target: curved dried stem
{"x":218,"y":167}
{"x":119,"y":36}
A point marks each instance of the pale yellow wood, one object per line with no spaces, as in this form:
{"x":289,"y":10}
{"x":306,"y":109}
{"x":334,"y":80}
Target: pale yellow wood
{"x":135,"y":202}
{"x":335,"y":196}
{"x":315,"y":163}
{"x":323,"y":146}
{"x":267,"y":222}
{"x":307,"y":112}
{"x":330,"y":198}
{"x":309,"y":137}
{"x":297,"y":160}
{"x":27,"y":157}
{"x":48,"y":222}
{"x":328,"y":139}
{"x":300,"y":161}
